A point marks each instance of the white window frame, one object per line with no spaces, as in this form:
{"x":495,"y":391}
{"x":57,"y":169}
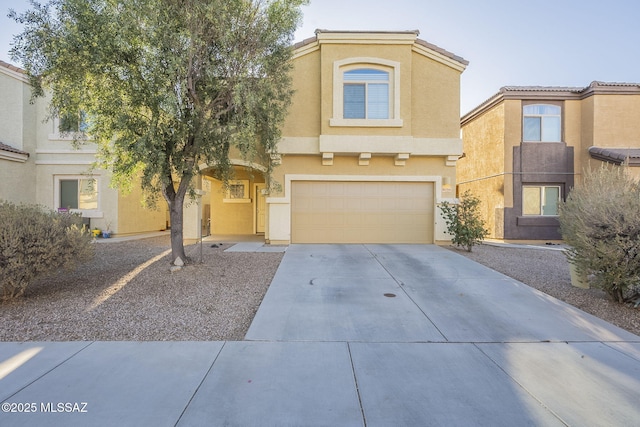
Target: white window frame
{"x":86,"y":213}
{"x":57,"y":135}
{"x":349,"y":64}
{"x":542,"y":189}
{"x":542,"y":118}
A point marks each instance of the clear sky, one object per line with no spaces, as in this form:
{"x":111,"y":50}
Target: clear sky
{"x":507,"y":42}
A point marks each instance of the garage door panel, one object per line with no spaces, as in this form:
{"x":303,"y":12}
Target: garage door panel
{"x":361,"y":212}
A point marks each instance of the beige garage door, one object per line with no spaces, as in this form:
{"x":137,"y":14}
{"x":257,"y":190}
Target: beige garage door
{"x":361,"y":212}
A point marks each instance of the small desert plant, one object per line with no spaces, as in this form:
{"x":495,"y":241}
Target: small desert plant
{"x":463,"y":221}
{"x":601,"y":222}
{"x":35,"y":241}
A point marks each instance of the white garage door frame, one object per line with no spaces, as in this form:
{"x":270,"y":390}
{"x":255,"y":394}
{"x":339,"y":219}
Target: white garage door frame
{"x":279,"y":208}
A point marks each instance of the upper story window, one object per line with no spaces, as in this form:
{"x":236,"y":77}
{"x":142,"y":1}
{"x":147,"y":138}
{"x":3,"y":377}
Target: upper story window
{"x":366,"y":92}
{"x":73,"y":123}
{"x":70,"y":127}
{"x":542,"y":122}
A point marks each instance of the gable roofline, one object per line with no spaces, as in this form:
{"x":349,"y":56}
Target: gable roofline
{"x":380,"y":37}
{"x":616,"y":156}
{"x":13,"y":71}
{"x":551,"y":93}
{"x":7,"y":152}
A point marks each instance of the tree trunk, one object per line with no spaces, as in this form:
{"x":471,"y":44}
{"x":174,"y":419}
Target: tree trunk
{"x":175,"y":200}
{"x":177,"y":240}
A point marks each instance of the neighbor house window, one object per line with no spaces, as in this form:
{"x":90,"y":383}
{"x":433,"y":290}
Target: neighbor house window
{"x":73,"y":123}
{"x":540,"y":200}
{"x":542,"y":123}
{"x":81,"y":194}
{"x":366,"y":92}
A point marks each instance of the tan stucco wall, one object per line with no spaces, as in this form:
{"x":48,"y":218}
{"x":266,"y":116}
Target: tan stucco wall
{"x":348,"y":165}
{"x":331,"y":53}
{"x":233,"y":218}
{"x":133,"y":217}
{"x":482,"y":169}
{"x":435,"y":99}
{"x":303,"y":118}
{"x":616,"y":121}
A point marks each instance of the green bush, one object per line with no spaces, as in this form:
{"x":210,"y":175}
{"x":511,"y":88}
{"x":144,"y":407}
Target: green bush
{"x":601,"y":222}
{"x":463,"y":221}
{"x":34,"y":242}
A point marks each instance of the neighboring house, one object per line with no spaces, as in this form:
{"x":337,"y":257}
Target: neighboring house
{"x":369,"y":147}
{"x":39,"y":165}
{"x":526,"y":147}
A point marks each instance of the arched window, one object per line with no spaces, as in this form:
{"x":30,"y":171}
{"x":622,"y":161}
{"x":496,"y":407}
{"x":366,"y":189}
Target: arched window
{"x":542,"y":122}
{"x":366,"y":92}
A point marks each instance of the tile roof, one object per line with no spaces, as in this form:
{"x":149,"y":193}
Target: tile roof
{"x":12,"y":67}
{"x":552,"y":92}
{"x":616,"y":155}
{"x":421,"y":42}
{"x":5,"y":147}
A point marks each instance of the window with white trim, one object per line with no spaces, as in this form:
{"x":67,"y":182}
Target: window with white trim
{"x":237,"y":191}
{"x":541,"y":200}
{"x":76,"y":193}
{"x":73,"y":123}
{"x":366,"y":92}
{"x":541,"y":123}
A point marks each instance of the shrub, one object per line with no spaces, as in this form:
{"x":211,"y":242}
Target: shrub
{"x":601,"y":222}
{"x":34,"y":242}
{"x":463,"y":221}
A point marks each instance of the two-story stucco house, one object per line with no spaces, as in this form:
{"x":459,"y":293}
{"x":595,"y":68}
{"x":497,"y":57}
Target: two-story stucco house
{"x":526,"y":147}
{"x":39,"y":165}
{"x":369,"y":147}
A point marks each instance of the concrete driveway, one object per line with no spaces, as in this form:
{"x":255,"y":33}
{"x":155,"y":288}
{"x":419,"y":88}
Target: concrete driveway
{"x":373,"y":335}
{"x":436,"y":339}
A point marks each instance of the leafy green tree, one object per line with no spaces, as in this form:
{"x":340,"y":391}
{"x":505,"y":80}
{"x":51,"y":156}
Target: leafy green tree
{"x":600,"y":221}
{"x":166,"y":85}
{"x":463,"y":221}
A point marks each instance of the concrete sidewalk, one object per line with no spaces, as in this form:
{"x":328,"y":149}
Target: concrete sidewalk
{"x":347,"y":335}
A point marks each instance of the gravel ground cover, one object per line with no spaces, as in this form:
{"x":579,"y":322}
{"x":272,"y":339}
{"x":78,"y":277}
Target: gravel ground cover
{"x":128,"y":293}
